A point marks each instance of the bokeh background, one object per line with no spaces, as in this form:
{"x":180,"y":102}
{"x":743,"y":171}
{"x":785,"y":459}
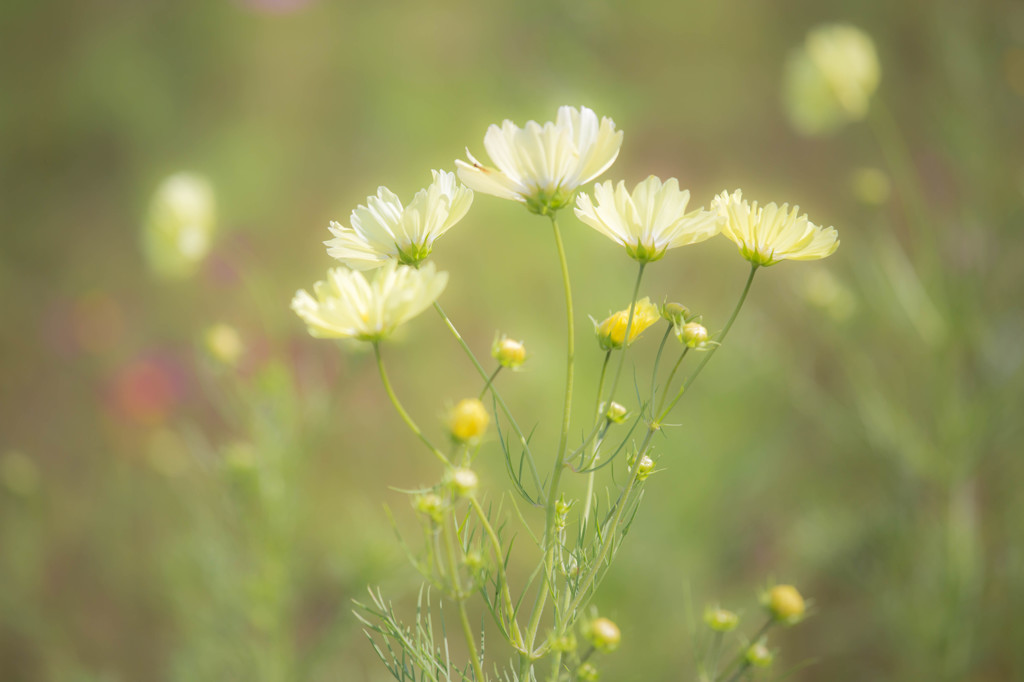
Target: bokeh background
{"x":172,"y":513}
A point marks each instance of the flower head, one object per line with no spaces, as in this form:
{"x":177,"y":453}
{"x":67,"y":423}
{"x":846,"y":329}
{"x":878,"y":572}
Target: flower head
{"x":829,"y":80}
{"x":719,"y":619}
{"x":611,"y":332}
{"x":542,"y":165}
{"x":603,"y":634}
{"x":769,"y":234}
{"x":347,"y":306}
{"x":648,"y":221}
{"x":384,"y":230}
{"x":508,"y":352}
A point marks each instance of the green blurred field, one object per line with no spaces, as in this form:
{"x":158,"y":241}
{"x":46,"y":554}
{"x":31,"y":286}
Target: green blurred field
{"x":163,"y":517}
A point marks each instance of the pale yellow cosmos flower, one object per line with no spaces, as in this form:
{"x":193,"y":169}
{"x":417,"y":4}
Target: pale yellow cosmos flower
{"x":769,"y":234}
{"x":611,"y":332}
{"x":648,"y":221}
{"x":542,"y":165}
{"x":347,"y":306}
{"x":179,"y":228}
{"x":385,"y":230}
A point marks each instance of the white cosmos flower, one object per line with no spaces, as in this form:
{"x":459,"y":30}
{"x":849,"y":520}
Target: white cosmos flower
{"x":347,"y":306}
{"x":769,"y":234}
{"x":542,"y":165}
{"x":384,"y":230}
{"x":648,"y":221}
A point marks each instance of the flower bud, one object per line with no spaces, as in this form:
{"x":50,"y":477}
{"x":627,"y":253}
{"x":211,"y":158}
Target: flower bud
{"x":759,"y":655}
{"x":645,"y":468}
{"x":430,"y":505}
{"x":676,"y":313}
{"x":561,"y":513}
{"x":587,"y":673}
{"x":611,"y":332}
{"x":694,"y":335}
{"x":463,"y":481}
{"x":508,"y":352}
{"x":468,"y":420}
{"x":565,"y":643}
{"x":785,"y":604}
{"x":474,"y":561}
{"x":603,"y":634}
{"x":720,"y":620}
{"x":614,"y":412}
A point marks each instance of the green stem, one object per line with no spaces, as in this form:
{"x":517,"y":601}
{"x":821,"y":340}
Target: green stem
{"x":401,"y":410}
{"x":460,"y":600}
{"x":597,"y":419}
{"x":500,"y":563}
{"x":629,"y":328}
{"x":657,"y":364}
{"x":740,"y":657}
{"x":489,"y":384}
{"x":497,"y":396}
{"x":559,"y":463}
{"x":711,"y":351}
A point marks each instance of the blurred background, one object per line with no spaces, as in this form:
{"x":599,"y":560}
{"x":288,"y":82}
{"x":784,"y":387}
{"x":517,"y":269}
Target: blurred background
{"x":191,"y":487}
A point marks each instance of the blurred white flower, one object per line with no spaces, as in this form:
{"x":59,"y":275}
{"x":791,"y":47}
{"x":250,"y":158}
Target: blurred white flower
{"x":829,"y":80}
{"x":648,"y":221}
{"x":346,"y":305}
{"x":542,"y":165}
{"x":180,"y":225}
{"x":769,"y":234}
{"x":384,"y":230}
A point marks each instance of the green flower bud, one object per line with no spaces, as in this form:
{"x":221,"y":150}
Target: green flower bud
{"x":645,"y":468}
{"x":430,"y":505}
{"x":720,"y":620}
{"x":615,"y":412}
{"x":676,"y":313}
{"x":587,"y":673}
{"x":758,"y":655}
{"x":508,"y":352}
{"x":694,"y":335}
{"x":463,"y":482}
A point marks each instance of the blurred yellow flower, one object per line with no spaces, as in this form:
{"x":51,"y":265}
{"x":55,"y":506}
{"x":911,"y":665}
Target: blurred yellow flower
{"x":769,"y":234}
{"x":180,"y":225}
{"x":829,"y":80}
{"x":611,"y":333}
{"x":348,"y":306}
{"x":468,"y":420}
{"x":542,"y":166}
{"x":384,"y":230}
{"x":785,"y":603}
{"x":648,"y":221}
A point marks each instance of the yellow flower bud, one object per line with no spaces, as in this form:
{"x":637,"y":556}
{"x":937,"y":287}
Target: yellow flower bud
{"x":508,"y":352}
{"x":611,"y":333}
{"x":463,"y":482}
{"x":587,"y":673}
{"x":759,"y":655}
{"x":615,"y":412}
{"x":694,"y":335}
{"x":785,"y":604}
{"x":603,"y":634}
{"x":719,"y":619}
{"x":468,"y":420}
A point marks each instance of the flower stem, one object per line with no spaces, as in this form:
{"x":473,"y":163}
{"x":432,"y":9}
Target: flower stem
{"x":401,"y":410}
{"x":499,"y":560}
{"x":548,"y":543}
{"x":460,"y":600}
{"x":497,"y":396}
{"x":629,"y":328}
{"x":711,"y":351}
{"x":597,"y":444}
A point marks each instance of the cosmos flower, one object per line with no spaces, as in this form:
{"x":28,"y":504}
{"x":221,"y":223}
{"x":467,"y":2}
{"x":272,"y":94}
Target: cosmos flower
{"x":542,"y":165}
{"x":611,"y":332}
{"x":384,"y":230}
{"x":769,"y":234}
{"x":347,"y":306}
{"x":648,"y":221}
